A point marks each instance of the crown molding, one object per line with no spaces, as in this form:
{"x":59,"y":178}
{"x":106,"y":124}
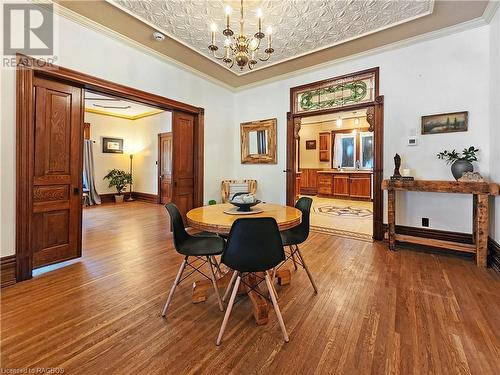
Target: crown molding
{"x":455,"y":29}
{"x":92,"y":25}
{"x":487,"y":16}
{"x":491,"y":10}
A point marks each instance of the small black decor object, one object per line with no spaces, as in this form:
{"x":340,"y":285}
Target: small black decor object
{"x":397,"y":165}
{"x":460,"y":162}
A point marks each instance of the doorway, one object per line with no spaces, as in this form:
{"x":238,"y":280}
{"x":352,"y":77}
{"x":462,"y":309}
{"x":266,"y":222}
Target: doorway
{"x":50,"y":125}
{"x":335,"y":169}
{"x":342,"y":172}
{"x":165,"y":167}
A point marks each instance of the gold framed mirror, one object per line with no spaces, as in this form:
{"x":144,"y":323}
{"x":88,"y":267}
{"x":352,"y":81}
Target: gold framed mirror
{"x":258,"y":142}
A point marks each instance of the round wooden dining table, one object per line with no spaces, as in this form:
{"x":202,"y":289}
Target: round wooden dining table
{"x":214,"y":219}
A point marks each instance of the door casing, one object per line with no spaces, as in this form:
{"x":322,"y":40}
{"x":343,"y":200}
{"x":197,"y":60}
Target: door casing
{"x":375,"y":116}
{"x":27,"y":69}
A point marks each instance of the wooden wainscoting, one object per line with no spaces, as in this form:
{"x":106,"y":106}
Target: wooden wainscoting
{"x":8,"y":270}
{"x":466,"y":238}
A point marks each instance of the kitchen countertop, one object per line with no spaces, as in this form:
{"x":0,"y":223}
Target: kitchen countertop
{"x":333,"y":171}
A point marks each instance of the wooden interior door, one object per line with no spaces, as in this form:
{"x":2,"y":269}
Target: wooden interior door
{"x":165,"y":167}
{"x":57,"y":172}
{"x":183,"y":161}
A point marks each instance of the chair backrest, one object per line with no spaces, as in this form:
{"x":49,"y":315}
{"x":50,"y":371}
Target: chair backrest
{"x":231,"y":187}
{"x":178,"y":230}
{"x":304,"y":205}
{"x":254,"y":245}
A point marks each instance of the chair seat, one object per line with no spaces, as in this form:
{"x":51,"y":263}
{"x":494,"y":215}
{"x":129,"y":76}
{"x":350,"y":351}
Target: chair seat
{"x":202,"y":246}
{"x":294,"y":236}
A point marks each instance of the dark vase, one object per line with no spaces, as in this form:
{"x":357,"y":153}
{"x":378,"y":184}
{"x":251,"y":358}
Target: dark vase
{"x":459,"y":167}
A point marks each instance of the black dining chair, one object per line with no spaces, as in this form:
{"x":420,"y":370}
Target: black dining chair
{"x":201,"y":247}
{"x":295,"y":236}
{"x":254,"y":246}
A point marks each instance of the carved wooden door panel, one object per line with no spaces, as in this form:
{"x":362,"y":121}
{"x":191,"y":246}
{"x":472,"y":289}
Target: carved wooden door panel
{"x":56,"y":213}
{"x":183,"y":161}
{"x":165,"y":157}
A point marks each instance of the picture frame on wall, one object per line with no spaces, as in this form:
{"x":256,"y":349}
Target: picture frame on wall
{"x":311,"y":145}
{"x":445,"y":123}
{"x":112,"y":145}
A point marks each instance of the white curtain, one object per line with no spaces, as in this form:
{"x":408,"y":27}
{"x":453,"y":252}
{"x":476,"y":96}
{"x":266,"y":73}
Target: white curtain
{"x":337,"y":151}
{"x":88,"y":173}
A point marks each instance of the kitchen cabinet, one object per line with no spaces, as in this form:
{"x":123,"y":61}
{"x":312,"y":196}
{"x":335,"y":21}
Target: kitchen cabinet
{"x":345,"y":184}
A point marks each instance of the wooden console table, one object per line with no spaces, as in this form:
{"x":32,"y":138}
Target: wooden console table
{"x":480,"y":219}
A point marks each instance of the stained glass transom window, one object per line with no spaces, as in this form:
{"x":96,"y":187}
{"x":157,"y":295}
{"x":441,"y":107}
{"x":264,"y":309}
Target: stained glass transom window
{"x":336,"y":94}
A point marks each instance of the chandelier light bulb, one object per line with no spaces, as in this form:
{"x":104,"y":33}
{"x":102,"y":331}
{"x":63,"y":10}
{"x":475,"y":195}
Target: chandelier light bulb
{"x":269,"y":30}
{"x":227,"y":42}
{"x":228,"y":10}
{"x":356,"y":121}
{"x":339,"y":122}
{"x":253,"y":44}
{"x":259,"y":13}
{"x":213,"y":27}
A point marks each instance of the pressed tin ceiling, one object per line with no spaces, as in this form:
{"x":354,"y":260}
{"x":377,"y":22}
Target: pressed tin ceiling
{"x":300,"y":27}
{"x":447,"y":17}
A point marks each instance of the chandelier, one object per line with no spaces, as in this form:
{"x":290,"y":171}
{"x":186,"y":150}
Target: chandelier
{"x":242,"y":49}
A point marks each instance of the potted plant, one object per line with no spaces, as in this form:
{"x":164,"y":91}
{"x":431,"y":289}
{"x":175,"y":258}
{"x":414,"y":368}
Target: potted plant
{"x":460,"y":162}
{"x":119,"y":180}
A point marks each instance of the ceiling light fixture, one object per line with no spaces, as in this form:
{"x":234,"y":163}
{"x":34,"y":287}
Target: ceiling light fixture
{"x":242,"y":49}
{"x":112,"y":107}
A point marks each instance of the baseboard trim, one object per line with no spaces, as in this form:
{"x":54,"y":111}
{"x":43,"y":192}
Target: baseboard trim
{"x":8,"y":270}
{"x":493,"y":246}
{"x":143,"y":197}
{"x":493,"y":254}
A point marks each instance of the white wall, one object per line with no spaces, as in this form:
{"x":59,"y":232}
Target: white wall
{"x":148,"y":129}
{"x":107,"y":126}
{"x":441,"y":75}
{"x":495,"y":117}
{"x":89,"y":52}
{"x":140,"y":134}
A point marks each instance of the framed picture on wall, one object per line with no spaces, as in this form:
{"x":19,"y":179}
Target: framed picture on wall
{"x":445,"y":123}
{"x":112,"y":145}
{"x":311,"y":145}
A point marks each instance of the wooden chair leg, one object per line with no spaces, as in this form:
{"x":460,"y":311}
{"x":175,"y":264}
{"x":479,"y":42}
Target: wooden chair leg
{"x":214,"y":283}
{"x":228,"y":289}
{"x":307,"y":270}
{"x":276,"y":308}
{"x":229,"y":308}
{"x":292,"y":254}
{"x":272,"y":284}
{"x":176,"y":282}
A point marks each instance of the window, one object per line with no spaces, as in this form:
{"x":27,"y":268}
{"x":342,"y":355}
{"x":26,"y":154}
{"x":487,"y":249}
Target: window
{"x":366,"y":150}
{"x":348,"y":143}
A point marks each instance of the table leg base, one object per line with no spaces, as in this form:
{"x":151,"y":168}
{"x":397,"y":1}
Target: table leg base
{"x":284,"y":277}
{"x":260,"y":306}
{"x":200,"y":287}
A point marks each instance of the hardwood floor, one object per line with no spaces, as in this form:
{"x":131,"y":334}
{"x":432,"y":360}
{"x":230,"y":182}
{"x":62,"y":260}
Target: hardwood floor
{"x":377,"y":311}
